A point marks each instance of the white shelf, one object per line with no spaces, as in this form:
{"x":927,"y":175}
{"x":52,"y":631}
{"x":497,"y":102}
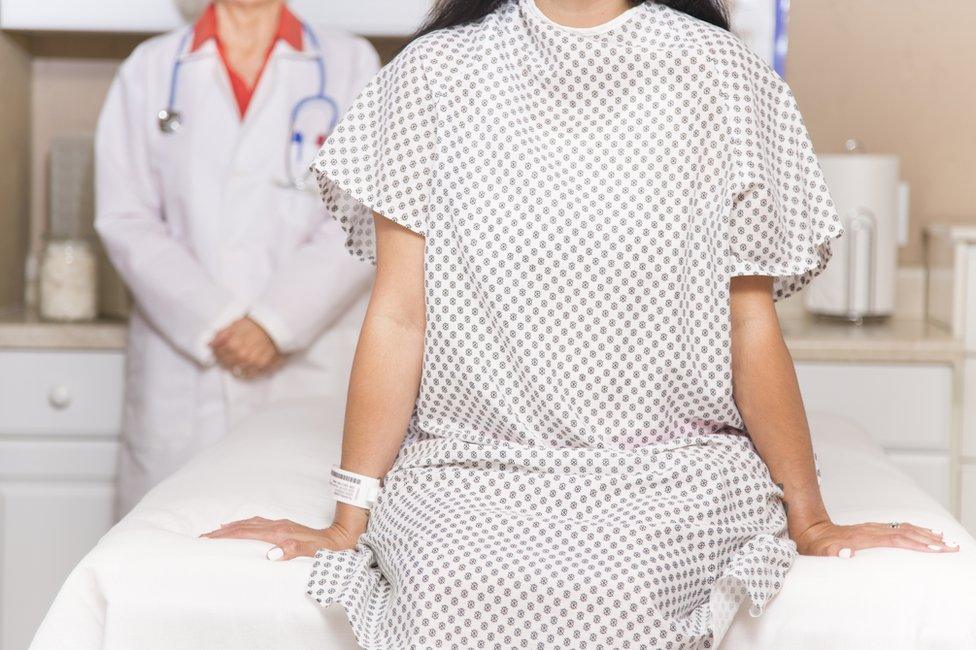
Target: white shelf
{"x":368,"y":17}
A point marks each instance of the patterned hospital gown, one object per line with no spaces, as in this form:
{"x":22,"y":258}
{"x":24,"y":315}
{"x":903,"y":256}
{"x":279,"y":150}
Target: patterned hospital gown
{"x":575,"y":473}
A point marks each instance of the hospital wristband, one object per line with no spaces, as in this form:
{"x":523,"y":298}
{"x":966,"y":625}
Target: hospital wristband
{"x":354,"y":489}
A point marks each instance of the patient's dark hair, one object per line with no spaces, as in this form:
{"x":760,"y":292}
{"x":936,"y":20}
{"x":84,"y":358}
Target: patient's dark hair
{"x":448,"y":13}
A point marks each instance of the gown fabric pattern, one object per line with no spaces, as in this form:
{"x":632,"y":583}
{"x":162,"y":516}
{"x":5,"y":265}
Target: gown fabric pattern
{"x":575,"y":473}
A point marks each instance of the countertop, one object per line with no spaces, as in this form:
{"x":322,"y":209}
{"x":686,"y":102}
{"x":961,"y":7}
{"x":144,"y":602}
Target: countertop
{"x":809,"y":338}
{"x":23,"y":330}
{"x":812,"y":338}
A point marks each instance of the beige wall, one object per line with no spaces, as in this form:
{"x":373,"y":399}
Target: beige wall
{"x":14,"y":160}
{"x":80,"y":84}
{"x":899,"y":76}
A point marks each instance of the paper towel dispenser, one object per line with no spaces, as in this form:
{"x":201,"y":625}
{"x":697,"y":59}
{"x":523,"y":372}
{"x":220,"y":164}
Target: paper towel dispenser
{"x":860,"y":280}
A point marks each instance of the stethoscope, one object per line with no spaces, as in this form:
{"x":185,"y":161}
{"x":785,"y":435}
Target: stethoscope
{"x":170,"y":120}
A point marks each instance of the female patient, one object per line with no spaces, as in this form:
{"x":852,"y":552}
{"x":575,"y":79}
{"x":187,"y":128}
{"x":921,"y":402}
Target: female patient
{"x":571,"y":379}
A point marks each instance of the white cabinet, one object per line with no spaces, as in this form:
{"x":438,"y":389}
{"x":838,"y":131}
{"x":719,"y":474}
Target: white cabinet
{"x":906,"y":407}
{"x":60,"y":418}
{"x":968,"y":515}
{"x":370,"y":17}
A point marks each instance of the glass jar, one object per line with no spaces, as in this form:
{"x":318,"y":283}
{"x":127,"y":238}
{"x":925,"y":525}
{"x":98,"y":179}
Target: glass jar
{"x":68,"y":280}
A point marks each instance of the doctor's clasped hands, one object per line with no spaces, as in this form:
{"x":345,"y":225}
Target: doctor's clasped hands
{"x":245,"y":349}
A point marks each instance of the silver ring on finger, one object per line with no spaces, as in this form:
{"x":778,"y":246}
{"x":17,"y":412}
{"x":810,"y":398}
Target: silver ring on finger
{"x":894,"y":524}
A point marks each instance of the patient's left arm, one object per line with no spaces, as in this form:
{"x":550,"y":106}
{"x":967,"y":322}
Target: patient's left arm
{"x":768,"y":397}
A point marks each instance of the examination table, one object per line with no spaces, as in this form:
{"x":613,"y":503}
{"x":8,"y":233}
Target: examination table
{"x":151,"y":583}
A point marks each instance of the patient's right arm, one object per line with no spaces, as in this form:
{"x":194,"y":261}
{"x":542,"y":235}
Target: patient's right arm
{"x":383,"y":388}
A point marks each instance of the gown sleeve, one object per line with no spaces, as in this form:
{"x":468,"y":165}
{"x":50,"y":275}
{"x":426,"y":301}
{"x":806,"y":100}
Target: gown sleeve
{"x":380,"y":158}
{"x":783,"y":218}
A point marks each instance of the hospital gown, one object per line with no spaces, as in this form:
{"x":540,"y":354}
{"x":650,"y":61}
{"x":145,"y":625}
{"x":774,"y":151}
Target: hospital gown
{"x":575,"y":473}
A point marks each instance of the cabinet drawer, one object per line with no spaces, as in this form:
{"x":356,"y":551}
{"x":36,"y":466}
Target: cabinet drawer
{"x":905,"y":406}
{"x":61,"y":393}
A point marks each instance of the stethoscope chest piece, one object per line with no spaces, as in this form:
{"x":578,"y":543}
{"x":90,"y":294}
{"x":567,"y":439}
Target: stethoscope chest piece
{"x":169,"y":121}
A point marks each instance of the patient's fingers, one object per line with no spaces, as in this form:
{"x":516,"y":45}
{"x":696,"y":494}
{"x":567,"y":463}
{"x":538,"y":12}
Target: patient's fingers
{"x":901,"y":537}
{"x":262,"y":529}
{"x":241,"y":521}
{"x":261,"y":533}
{"x":289,"y":549}
{"x":249,"y":529}
{"x":231,"y":524}
{"x":919,"y":534}
{"x":843,"y":541}
{"x":922,"y":534}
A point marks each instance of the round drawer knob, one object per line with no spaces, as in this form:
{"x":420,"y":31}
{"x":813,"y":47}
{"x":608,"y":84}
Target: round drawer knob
{"x":59,"y":397}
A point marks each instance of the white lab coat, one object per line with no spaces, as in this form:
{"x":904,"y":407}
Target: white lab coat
{"x":202,"y":235}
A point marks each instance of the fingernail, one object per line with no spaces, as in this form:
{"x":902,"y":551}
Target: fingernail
{"x":275,"y":554}
{"x":844,"y":552}
{"x":937,"y":532}
{"x":935,"y":547}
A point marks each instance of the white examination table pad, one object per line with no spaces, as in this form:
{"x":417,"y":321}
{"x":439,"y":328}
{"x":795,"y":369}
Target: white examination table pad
{"x":151,"y":583}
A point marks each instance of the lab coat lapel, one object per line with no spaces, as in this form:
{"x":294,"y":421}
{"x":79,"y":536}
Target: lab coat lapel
{"x":265,"y":130}
{"x":204,"y":156}
{"x":276,"y":91}
{"x":266,"y":86}
{"x":208,"y":56}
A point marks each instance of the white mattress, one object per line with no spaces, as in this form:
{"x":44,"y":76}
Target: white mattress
{"x":151,"y":583}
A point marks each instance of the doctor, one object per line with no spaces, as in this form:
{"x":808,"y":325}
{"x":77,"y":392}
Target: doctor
{"x":243,"y":292}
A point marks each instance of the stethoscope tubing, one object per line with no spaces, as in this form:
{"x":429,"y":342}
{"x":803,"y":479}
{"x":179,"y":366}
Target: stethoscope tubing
{"x":173,"y":117}
{"x":174,"y":78}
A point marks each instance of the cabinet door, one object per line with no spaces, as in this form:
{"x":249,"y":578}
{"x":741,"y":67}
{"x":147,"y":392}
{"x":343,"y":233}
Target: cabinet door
{"x":47,"y":527}
{"x":969,"y":498}
{"x":929,"y":470}
{"x":903,"y":406}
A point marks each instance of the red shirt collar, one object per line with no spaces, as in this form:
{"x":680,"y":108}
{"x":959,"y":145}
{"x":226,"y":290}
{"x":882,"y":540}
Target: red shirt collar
{"x":289,"y":29}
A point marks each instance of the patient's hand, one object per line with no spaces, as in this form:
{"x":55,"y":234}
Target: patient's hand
{"x":291,"y":540}
{"x":827,"y":538}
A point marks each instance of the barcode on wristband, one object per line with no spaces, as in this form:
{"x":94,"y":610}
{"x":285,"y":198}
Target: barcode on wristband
{"x":345,"y":477}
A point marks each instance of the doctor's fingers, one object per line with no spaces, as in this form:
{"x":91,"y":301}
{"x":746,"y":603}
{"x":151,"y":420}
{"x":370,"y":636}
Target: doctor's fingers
{"x":220,"y":337}
{"x":241,"y":351}
{"x":264,"y":360}
{"x":228,"y":356}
